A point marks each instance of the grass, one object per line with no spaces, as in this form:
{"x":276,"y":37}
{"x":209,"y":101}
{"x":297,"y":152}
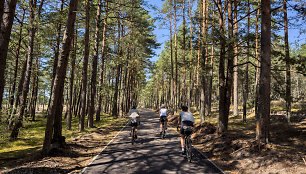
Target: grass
{"x":32,"y":134}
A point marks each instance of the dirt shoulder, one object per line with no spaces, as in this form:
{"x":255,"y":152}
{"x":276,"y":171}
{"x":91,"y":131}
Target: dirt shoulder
{"x":236,"y":152}
{"x":77,"y":153}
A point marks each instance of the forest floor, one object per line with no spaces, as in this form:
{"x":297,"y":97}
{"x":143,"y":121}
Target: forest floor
{"x":234,"y":152}
{"x":24,"y":156}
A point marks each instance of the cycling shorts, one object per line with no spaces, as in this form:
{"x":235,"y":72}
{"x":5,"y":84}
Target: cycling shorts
{"x":186,"y":123}
{"x":163,"y":118}
{"x":133,"y":122}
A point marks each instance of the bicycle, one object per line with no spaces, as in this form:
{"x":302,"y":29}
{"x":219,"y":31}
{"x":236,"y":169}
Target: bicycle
{"x":163,"y":133}
{"x":187,"y":142}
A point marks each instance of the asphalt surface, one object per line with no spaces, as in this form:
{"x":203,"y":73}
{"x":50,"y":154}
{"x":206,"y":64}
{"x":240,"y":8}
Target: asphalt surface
{"x":150,"y":153}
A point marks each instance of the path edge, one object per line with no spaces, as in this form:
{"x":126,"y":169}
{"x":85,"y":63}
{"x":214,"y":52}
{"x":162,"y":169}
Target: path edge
{"x":209,"y":160}
{"x":103,"y":149}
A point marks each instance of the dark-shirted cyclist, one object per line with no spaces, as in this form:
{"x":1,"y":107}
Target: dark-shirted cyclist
{"x":185,"y":119}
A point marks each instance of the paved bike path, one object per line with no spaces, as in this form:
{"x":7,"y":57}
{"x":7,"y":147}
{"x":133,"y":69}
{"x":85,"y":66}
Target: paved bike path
{"x":150,"y":153}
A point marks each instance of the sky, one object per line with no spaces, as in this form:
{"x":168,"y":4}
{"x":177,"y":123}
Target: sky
{"x":163,"y":34}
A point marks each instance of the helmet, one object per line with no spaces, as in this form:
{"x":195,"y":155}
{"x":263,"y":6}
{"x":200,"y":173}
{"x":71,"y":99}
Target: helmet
{"x":162,"y":106}
{"x":184,"y":108}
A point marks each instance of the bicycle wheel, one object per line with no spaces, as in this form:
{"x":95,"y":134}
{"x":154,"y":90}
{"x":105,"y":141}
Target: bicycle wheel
{"x":133,"y":135}
{"x":188,"y":149}
{"x":164,"y":131}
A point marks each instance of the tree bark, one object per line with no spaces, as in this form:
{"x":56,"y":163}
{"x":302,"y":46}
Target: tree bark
{"x":6,"y":22}
{"x":263,"y":116}
{"x":35,"y":89}
{"x":203,"y":63}
{"x":230,"y":68}
{"x":119,"y":54}
{"x":175,"y":53}
{"x":60,"y":75}
{"x":184,"y":97}
{"x":287,"y":58}
{"x":101,"y":73}
{"x":171,"y":58}
{"x":256,"y":91}
{"x":246,"y":71}
{"x":18,"y":93}
{"x":94,"y":68}
{"x":85,"y":69}
{"x":70,"y":93}
{"x":191,"y":84}
{"x":211,"y":68}
{"x":235,"y":93}
{"x":223,"y":119}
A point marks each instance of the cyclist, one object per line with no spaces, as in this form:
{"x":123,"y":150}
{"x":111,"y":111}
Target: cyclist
{"x":185,"y":119}
{"x":134,"y":119}
{"x":163,"y":117}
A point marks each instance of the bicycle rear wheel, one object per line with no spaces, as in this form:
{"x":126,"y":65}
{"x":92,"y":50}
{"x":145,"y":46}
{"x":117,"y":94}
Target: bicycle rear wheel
{"x":133,"y":135}
{"x":188,"y":149}
{"x":164,"y":131}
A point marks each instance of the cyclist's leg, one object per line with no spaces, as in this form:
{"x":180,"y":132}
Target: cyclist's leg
{"x":131,"y":130}
{"x":135,"y":131}
{"x":160,"y":126}
{"x":182,"y":142}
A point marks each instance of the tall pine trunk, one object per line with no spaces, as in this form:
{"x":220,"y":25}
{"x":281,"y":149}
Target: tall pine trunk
{"x":263,"y":115}
{"x":6,"y":22}
{"x":235,"y":84}
{"x":287,"y":58}
{"x":184,"y":97}
{"x":94,"y":69}
{"x":223,"y":119}
{"x":85,"y":69}
{"x":175,"y":53}
{"x":101,"y":73}
{"x":191,"y":86}
{"x":60,"y":75}
{"x":246,"y":71}
{"x":203,"y":64}
{"x":171,"y":59}
{"x":70,"y":93}
{"x":256,"y":90}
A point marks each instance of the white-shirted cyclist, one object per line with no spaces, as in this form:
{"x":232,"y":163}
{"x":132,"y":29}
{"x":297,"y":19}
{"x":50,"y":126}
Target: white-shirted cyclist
{"x":163,"y":113}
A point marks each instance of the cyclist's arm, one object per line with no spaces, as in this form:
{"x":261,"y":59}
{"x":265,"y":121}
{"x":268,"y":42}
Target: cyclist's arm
{"x":179,"y":121}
